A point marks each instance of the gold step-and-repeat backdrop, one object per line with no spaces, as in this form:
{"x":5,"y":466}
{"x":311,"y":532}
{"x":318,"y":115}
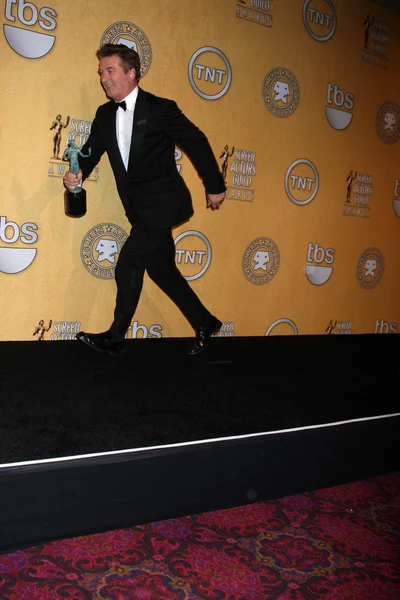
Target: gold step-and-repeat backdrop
{"x":300,"y":100}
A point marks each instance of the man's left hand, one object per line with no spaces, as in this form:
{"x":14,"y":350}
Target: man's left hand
{"x":214,"y":201}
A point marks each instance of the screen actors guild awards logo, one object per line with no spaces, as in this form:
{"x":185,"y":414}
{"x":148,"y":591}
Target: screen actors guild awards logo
{"x":238,"y":170}
{"x":57,"y":126}
{"x":358,"y":194}
{"x":370,"y":268}
{"x":388,"y":122}
{"x":227,"y":329}
{"x":65,"y":330}
{"x":376,"y":42}
{"x":255,"y":11}
{"x":339,"y":327}
{"x":100,"y":249}
{"x":260,"y":261}
{"x":281,"y":92}
{"x":77,"y":133}
{"x":129,"y":34}
{"x":41,"y":329}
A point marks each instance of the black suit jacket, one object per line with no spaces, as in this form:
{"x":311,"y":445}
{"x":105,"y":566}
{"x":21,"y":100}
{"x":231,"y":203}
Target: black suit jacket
{"x":152,"y":191}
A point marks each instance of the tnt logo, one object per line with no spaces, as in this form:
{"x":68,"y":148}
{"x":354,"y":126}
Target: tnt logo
{"x":210,"y":73}
{"x":319,"y":18}
{"x":301,"y":181}
{"x":255,"y":11}
{"x":319,"y":274}
{"x":25,"y":42}
{"x":337,"y":100}
{"x":15,"y":260}
{"x":193,"y":254}
{"x":382,"y":327}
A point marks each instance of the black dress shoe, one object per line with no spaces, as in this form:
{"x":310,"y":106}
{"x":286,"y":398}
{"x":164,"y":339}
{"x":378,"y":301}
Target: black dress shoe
{"x":203,"y":335}
{"x":102,"y":342}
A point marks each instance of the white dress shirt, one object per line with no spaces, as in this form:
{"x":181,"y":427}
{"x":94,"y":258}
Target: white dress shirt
{"x":124,"y":124}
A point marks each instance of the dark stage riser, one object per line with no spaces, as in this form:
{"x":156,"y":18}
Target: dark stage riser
{"x":78,"y":497}
{"x":60,"y":400}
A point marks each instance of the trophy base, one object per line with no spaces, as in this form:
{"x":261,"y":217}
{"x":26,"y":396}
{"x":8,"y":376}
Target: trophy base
{"x":75,"y":203}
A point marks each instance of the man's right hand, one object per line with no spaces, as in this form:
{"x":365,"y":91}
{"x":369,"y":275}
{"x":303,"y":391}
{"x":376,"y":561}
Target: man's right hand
{"x":71,"y":180}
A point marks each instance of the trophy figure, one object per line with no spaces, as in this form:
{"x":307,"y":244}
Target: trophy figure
{"x":74,"y":200}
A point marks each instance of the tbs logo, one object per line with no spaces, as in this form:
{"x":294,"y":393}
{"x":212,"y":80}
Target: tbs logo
{"x":382,"y":327}
{"x":25,"y":42}
{"x":154,"y":331}
{"x":15,"y":260}
{"x":319,"y":274}
{"x":338,"y":118}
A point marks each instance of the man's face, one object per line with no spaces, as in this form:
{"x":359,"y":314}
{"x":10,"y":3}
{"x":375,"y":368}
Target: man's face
{"x":116,"y":83}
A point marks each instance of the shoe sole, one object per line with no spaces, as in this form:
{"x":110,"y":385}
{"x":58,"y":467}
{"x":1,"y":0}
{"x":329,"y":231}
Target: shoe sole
{"x":110,"y":351}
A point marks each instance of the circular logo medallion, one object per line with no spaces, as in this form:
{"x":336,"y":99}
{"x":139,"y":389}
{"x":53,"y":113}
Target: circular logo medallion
{"x":281,"y":92}
{"x":129,"y":34}
{"x":210,"y":73}
{"x":289,"y":322}
{"x":100,"y":249}
{"x":260,"y":261}
{"x":301,"y":181}
{"x":193,"y":257}
{"x":370,"y":267}
{"x":320,"y":25}
{"x":388,"y":122}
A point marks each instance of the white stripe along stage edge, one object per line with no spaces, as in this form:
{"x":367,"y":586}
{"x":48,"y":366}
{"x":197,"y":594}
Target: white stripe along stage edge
{"x":192,"y":443}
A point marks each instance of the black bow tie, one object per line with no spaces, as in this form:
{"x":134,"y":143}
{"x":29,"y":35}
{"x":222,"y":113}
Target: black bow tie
{"x":120,"y":105}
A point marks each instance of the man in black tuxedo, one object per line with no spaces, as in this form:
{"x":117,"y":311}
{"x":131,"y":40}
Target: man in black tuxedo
{"x":139,"y":132}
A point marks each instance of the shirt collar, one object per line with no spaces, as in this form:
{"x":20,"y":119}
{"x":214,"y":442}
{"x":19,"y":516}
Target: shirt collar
{"x":130,"y":99}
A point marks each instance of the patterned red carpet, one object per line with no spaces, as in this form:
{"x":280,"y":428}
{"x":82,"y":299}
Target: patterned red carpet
{"x":339,"y":543}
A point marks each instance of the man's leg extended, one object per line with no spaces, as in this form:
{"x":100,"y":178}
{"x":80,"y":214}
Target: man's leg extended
{"x":162,"y":269}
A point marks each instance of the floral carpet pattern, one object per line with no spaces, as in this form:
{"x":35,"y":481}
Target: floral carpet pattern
{"x":335,"y":544}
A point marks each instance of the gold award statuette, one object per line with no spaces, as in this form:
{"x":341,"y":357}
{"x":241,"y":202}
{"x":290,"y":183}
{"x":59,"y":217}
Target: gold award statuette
{"x":74,"y":200}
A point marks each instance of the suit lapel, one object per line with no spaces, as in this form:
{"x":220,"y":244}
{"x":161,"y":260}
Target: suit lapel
{"x":139,"y":127}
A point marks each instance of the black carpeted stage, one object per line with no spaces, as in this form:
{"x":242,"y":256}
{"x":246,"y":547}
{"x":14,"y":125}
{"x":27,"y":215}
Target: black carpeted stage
{"x":90,"y":442}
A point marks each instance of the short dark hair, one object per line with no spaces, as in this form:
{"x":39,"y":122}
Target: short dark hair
{"x":128,"y":56}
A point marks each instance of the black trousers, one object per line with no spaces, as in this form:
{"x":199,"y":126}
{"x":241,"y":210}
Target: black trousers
{"x":154,"y":252}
